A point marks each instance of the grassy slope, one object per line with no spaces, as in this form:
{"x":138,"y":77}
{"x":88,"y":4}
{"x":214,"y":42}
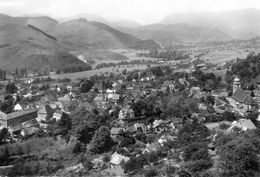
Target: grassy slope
{"x":31,"y":48}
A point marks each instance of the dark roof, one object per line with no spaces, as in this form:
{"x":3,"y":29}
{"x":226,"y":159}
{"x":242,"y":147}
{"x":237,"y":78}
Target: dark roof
{"x":116,"y":131}
{"x":242,"y":96}
{"x":98,"y":86}
{"x":20,"y":113}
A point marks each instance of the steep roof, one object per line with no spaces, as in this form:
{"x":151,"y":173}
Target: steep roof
{"x":244,"y":124}
{"x":242,"y":96}
{"x":116,"y":131}
{"x":117,"y":159}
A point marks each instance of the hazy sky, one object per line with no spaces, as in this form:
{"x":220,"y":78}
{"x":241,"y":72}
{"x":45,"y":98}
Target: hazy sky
{"x":142,"y":11}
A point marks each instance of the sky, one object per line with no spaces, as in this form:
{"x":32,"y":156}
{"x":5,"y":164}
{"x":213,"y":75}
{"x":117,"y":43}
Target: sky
{"x":142,"y":11}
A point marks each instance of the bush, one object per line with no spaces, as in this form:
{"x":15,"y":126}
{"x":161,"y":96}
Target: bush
{"x":196,"y":151}
{"x":183,"y":173}
{"x":170,"y":171}
{"x":199,"y":165}
{"x":224,"y":126}
{"x":151,"y":172}
{"x":141,"y":137}
{"x":106,"y":158}
{"x":152,"y":157}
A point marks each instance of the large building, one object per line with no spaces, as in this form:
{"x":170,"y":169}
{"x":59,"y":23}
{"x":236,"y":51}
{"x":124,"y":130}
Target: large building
{"x":15,"y":119}
{"x":242,"y":100}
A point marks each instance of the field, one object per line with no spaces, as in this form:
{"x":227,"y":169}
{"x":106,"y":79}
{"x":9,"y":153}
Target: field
{"x":219,"y":57}
{"x":214,"y":57}
{"x":129,"y":53}
{"x":105,"y":71}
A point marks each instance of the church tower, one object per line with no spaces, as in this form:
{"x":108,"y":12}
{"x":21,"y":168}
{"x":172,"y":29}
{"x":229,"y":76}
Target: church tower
{"x":236,"y":84}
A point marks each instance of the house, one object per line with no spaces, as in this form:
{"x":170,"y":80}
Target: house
{"x":194,"y":90}
{"x":98,"y":99}
{"x":244,"y":124}
{"x":116,"y":171}
{"x":177,"y":122}
{"x":15,"y":119}
{"x":118,"y":159}
{"x":98,"y":87}
{"x":116,"y":133}
{"x":87,"y":105}
{"x":139,"y":127}
{"x":126,"y":112}
{"x":214,"y":126}
{"x":57,"y":115}
{"x":161,"y":125}
{"x":167,"y":84}
{"x":218,"y":110}
{"x":115,"y":98}
{"x":18,"y":107}
{"x":242,"y":100}
{"x":98,"y":162}
{"x":154,"y":147}
{"x":69,"y":87}
{"x":44,"y":112}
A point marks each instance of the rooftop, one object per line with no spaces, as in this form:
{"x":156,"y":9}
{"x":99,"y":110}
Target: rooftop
{"x":16,"y":114}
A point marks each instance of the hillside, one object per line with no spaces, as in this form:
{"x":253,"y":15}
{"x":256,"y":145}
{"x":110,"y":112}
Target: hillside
{"x":239,"y":24}
{"x":178,"y":33}
{"x":126,"y":24}
{"x":87,"y":35}
{"x":26,"y":46}
{"x":87,"y":16}
{"x":42,"y":43}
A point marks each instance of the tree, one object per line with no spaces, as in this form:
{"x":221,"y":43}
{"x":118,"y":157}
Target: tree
{"x":152,"y":157}
{"x":183,"y":173}
{"x":126,"y":141}
{"x":64,"y":126}
{"x":196,"y":151}
{"x":124,"y":71}
{"x":229,"y":116}
{"x":151,"y":172}
{"x":193,"y":132}
{"x":198,"y":165}
{"x":135,"y":163}
{"x":4,"y":134}
{"x":85,"y":86}
{"x":101,"y":142}
{"x":141,"y":137}
{"x":10,"y":88}
{"x":239,"y":158}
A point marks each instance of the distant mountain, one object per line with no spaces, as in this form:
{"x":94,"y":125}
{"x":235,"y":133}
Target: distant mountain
{"x":239,"y":24}
{"x":83,"y":34}
{"x":25,"y":46}
{"x":87,"y":16}
{"x":126,"y":24}
{"x":179,"y":33}
{"x":42,"y":43}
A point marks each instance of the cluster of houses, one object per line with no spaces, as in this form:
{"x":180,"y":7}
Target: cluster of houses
{"x":39,"y":105}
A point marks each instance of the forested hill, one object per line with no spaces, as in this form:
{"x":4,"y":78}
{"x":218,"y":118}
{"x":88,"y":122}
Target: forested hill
{"x":246,"y":69}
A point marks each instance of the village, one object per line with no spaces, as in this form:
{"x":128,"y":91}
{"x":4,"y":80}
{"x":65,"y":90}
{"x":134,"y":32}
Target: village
{"x":145,"y":121}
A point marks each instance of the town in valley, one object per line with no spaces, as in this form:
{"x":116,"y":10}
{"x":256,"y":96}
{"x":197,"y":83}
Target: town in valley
{"x":87,"y":96}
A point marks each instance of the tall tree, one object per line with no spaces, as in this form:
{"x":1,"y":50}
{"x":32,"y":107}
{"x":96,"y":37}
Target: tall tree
{"x":101,"y":142}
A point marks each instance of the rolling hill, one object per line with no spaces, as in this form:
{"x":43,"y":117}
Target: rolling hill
{"x":125,"y":24}
{"x":179,"y":33}
{"x":26,"y":46}
{"x":42,"y":43}
{"x":239,"y":24}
